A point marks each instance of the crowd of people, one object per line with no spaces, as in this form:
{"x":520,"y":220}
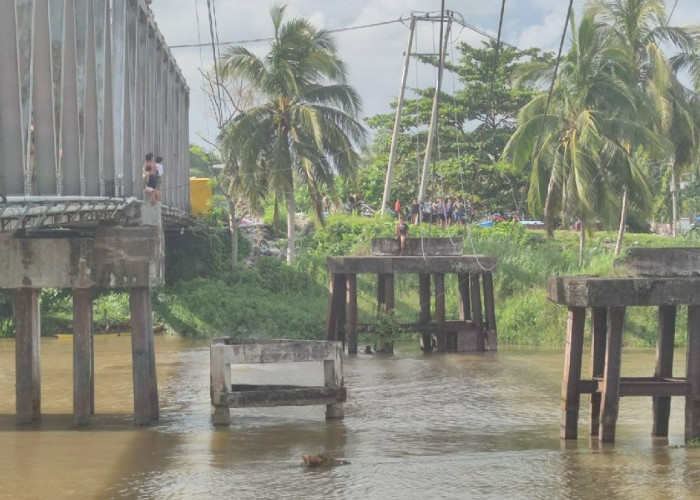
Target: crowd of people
{"x":443,"y":211}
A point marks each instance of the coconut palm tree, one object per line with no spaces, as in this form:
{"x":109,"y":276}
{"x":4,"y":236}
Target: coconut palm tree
{"x":641,"y":28}
{"x":306,"y":128}
{"x":591,"y":124}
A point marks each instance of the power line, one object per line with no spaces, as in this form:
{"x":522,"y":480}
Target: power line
{"x":554,"y":78}
{"x":459,"y":20}
{"x":267,"y":39}
{"x":672,"y":11}
{"x":216,"y":63}
{"x":496,"y":60}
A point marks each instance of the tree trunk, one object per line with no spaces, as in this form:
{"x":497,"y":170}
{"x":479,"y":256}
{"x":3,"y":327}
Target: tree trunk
{"x":289,"y":195}
{"x":276,"y":216}
{"x":233,"y":228}
{"x":548,"y":208}
{"x":623,"y":217}
{"x":582,"y":243}
{"x":674,"y":207}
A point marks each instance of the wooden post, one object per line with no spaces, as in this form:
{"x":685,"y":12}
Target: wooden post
{"x":599,"y":325}
{"x":333,"y":377}
{"x":664,"y":368}
{"x":27,"y":356}
{"x":389,"y":293}
{"x":610,"y":397}
{"x":381,"y":293}
{"x":220,"y":375}
{"x":424,"y":318}
{"x":570,"y":393}
{"x":82,"y":356}
{"x":153,"y":388}
{"x":439,"y":282}
{"x":475,"y":292}
{"x":490,"y":307}
{"x":351,"y":297}
{"x":692,"y":401}
{"x":336,"y":303}
{"x":141,"y":326}
{"x":465,"y":312}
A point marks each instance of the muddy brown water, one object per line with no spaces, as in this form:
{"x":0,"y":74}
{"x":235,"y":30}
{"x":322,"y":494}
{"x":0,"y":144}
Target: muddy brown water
{"x":417,"y":427}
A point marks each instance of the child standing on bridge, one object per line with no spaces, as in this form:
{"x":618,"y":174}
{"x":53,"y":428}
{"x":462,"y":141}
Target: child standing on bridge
{"x":150,"y":179}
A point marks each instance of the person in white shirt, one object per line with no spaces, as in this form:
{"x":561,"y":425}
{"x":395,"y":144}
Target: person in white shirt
{"x":159,"y":170}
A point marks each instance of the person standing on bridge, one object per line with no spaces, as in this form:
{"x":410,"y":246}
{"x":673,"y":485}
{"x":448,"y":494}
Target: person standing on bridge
{"x":150,"y":181}
{"x":159,"y":172}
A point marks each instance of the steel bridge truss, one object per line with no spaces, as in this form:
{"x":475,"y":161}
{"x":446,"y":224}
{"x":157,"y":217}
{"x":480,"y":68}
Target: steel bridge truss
{"x":87,"y":88}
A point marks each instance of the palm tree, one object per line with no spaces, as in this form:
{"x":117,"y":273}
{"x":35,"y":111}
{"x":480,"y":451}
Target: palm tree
{"x":590,"y":125}
{"x":641,"y":27}
{"x":305,"y":130}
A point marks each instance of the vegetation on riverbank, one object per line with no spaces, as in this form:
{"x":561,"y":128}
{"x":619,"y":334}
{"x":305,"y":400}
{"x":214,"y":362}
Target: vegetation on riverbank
{"x":273,"y":299}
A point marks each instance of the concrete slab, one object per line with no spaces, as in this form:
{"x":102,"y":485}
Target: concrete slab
{"x":660,"y":262}
{"x":429,"y":264}
{"x":583,"y":291}
{"x":116,"y":257}
{"x":418,"y":246}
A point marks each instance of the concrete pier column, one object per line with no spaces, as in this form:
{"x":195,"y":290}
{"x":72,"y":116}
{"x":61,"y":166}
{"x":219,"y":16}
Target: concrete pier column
{"x":333,"y":378}
{"x":570,"y":390}
{"x":599,"y":328}
{"x":335,"y":320}
{"x":28,"y":355}
{"x":141,"y":331}
{"x":664,"y":368}
{"x":465,"y":312}
{"x":381,"y":293}
{"x":490,"y":307}
{"x":424,"y":298}
{"x":475,"y":296}
{"x":351,"y":305}
{"x":389,"y":301}
{"x":610,"y":396}
{"x":83,"y":376}
{"x":439,"y":282}
{"x":692,"y":401}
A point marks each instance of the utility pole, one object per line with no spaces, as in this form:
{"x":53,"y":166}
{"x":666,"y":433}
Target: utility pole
{"x":397,"y":121}
{"x":434,"y":115}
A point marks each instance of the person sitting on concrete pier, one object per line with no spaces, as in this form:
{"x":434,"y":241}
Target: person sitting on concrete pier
{"x":401,"y":233}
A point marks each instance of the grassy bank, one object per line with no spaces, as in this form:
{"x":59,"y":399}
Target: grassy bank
{"x":275,"y":300}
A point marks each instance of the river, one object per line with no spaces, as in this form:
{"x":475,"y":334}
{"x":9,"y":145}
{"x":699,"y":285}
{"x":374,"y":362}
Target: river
{"x":482,"y":425}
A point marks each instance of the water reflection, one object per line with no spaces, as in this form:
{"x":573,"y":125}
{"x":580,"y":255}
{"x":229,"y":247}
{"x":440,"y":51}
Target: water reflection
{"x":442,"y":426}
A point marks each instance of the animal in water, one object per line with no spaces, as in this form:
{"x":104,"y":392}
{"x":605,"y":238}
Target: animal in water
{"x":321,"y":460}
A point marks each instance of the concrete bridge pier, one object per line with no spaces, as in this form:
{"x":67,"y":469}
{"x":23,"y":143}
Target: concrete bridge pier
{"x":27,"y":356}
{"x":126,"y":257}
{"x":83,"y":357}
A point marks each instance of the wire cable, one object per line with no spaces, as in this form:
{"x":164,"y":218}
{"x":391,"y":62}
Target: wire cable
{"x":554,"y":79}
{"x":216,"y":64}
{"x":672,"y":11}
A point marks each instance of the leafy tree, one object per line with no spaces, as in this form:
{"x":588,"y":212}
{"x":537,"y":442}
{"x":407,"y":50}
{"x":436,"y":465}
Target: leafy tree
{"x":202,"y":161}
{"x":641,"y":28}
{"x":582,"y":147}
{"x":305,"y":130}
{"x":474,"y":125}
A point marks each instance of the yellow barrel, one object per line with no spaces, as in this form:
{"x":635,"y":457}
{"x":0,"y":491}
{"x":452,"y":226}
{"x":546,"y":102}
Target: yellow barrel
{"x":200,"y":195}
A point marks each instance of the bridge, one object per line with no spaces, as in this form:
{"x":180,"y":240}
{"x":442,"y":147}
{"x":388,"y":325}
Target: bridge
{"x":87,"y":88}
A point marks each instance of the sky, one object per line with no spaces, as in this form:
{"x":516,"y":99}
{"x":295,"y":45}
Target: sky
{"x":374,"y":55}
